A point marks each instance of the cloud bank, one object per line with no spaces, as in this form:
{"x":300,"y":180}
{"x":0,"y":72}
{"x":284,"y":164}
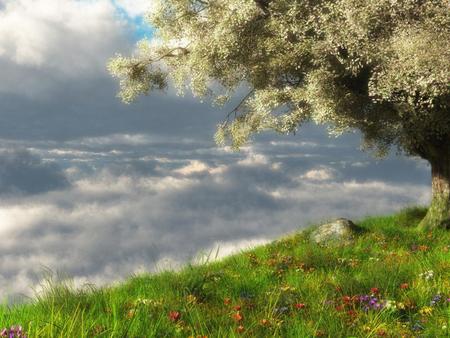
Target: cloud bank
{"x":100,"y":190}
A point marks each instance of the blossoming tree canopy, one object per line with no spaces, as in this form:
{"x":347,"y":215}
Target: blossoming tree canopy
{"x":381,"y":66}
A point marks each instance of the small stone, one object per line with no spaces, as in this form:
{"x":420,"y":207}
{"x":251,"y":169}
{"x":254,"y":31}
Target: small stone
{"x":339,"y":231}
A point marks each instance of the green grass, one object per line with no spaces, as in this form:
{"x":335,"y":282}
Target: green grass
{"x":256,"y":292}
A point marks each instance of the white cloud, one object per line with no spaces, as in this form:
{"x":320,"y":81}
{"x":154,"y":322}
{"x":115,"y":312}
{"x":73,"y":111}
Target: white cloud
{"x":254,"y":159}
{"x":41,"y":40}
{"x":136,"y":8}
{"x":320,"y":174}
{"x":193,"y":167}
{"x":106,"y":227}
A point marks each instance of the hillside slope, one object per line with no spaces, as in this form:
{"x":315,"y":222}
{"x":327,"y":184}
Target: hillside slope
{"x":392,"y":282}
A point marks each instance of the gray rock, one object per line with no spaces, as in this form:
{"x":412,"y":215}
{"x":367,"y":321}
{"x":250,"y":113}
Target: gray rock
{"x":339,"y":231}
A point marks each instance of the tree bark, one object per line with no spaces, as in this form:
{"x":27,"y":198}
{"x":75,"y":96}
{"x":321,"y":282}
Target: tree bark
{"x":438,"y":215}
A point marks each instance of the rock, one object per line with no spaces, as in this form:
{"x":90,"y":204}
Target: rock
{"x":339,"y":231}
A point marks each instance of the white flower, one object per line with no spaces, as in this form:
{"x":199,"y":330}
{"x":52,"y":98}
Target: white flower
{"x":427,"y":275}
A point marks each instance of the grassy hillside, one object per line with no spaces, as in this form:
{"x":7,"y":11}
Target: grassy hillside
{"x":392,"y":282}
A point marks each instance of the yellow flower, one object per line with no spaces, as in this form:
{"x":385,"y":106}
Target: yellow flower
{"x":191,"y":299}
{"x":401,"y":306}
{"x":426,"y":311}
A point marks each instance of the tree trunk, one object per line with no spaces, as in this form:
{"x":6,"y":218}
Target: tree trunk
{"x":438,"y":215}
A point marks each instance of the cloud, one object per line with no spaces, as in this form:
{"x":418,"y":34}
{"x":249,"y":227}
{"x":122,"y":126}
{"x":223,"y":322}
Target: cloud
{"x":192,"y":168}
{"x":111,"y":222}
{"x":135,"y":8}
{"x":44,"y":42}
{"x":23,"y":173}
{"x":144,"y":185}
{"x":319,"y":174}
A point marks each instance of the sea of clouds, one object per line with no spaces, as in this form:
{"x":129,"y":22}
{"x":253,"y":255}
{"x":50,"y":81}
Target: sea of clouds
{"x":100,"y":190}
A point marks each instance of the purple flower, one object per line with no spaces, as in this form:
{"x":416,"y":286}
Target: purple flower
{"x":436,"y":299}
{"x":13,"y":332}
{"x":364,"y":298}
{"x":370,"y":302}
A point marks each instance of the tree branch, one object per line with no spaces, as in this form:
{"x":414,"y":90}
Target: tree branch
{"x":236,"y":109}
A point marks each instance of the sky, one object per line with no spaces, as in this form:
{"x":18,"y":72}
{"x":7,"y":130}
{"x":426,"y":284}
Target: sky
{"x":97,"y":190}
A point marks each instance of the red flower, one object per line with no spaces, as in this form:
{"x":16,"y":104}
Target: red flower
{"x":339,"y":308}
{"x":404,"y":286}
{"x":375,"y":290}
{"x":264,"y":322}
{"x":299,"y":306}
{"x":346,"y":299}
{"x":227,"y":301}
{"x":237,"y":308}
{"x":352,"y":313}
{"x":237,"y":316}
{"x":174,"y":316}
{"x":240,"y":329}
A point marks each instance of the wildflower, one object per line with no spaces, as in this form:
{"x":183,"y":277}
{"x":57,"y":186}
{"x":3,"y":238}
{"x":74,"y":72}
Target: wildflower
{"x":427,"y":275}
{"x":370,"y":303}
{"x":364,"y":298}
{"x":436,"y":299}
{"x":400,"y":306}
{"x":299,"y":306}
{"x":237,"y":308}
{"x":374,"y":291}
{"x":339,"y":307}
{"x":227,"y":301}
{"x":352,"y":313}
{"x":346,"y":299}
{"x":237,"y":316}
{"x":174,"y":316}
{"x":240,"y":329}
{"x":264,"y":322}
{"x":404,"y":286}
{"x":426,"y":311}
{"x":14,"y":331}
{"x":390,"y":305}
{"x":191,"y":299}
{"x":423,"y":248}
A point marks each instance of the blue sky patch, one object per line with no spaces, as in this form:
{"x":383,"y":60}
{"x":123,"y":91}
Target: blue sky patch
{"x":140,"y":27}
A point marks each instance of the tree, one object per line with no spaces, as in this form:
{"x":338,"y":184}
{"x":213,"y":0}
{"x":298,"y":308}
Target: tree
{"x":380,"y":66}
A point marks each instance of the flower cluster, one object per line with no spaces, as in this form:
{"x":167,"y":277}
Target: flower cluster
{"x":14,"y":331}
{"x":435,"y":300}
{"x":427,"y":275}
{"x":371,"y":302}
